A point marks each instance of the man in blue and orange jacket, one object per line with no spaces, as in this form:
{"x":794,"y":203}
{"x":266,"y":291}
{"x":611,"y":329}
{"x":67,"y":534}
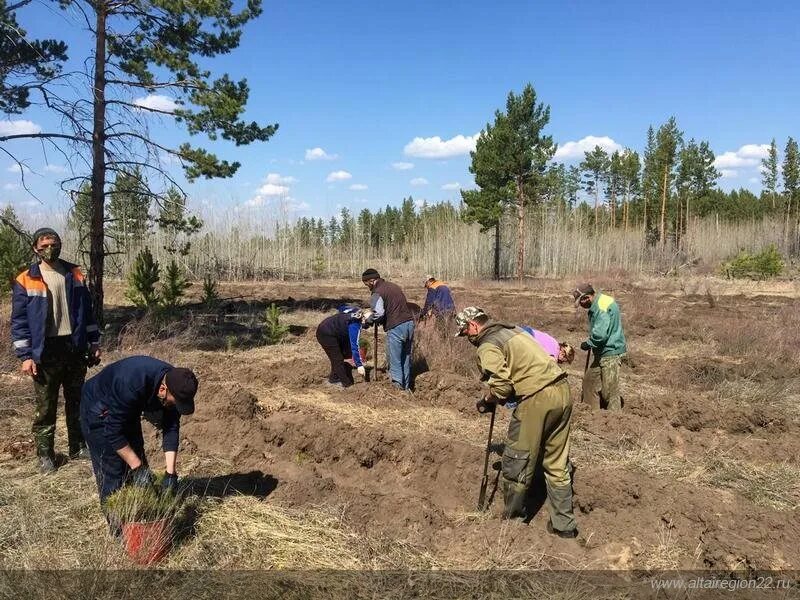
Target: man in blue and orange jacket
{"x":54,"y":333}
{"x":438,"y":301}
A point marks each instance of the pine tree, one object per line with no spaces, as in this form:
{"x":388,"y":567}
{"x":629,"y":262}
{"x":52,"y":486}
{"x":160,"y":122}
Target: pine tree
{"x":509,"y":164}
{"x":176,"y":225}
{"x":630,"y":168}
{"x":142,"y":280}
{"x":791,"y":180}
{"x":274,"y":330}
{"x":595,"y":167}
{"x":668,"y":141}
{"x":649,"y":179}
{"x":769,"y":172}
{"x":162,"y":48}
{"x":174,"y":287}
{"x":696,"y":177}
{"x":25,"y":63}
{"x":15,"y":249}
{"x":129,"y":209}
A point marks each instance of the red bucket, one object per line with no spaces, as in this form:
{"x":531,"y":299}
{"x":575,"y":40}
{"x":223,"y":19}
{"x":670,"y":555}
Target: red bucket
{"x":147,"y":542}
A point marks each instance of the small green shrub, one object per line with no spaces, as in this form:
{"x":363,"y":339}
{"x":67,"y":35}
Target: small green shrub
{"x":142,"y":280}
{"x":210,"y":297}
{"x":274,"y":330}
{"x":175,"y":286}
{"x":763,"y":265}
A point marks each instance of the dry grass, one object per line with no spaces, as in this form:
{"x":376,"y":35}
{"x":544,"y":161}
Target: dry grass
{"x":770,"y":485}
{"x":413,"y":420}
{"x":245,"y":533}
{"x":666,"y":555}
{"x":774,"y":486}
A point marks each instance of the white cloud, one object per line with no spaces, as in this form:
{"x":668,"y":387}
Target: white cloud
{"x":277,"y":179}
{"x":402,"y":166}
{"x":57,"y":169}
{"x":19,"y":127}
{"x":436,"y":147}
{"x":452,"y":186}
{"x":570,"y":150}
{"x":728,"y":173}
{"x":271,"y":189}
{"x":319,"y":154}
{"x":754,"y":180}
{"x":749,"y":155}
{"x":338,"y":176}
{"x":358,"y":187}
{"x":419,"y":181}
{"x":157,"y":102}
{"x":15,"y":168}
{"x":10,"y":187}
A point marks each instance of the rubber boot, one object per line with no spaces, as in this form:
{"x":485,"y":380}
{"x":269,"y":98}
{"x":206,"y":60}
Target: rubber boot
{"x":514,"y":502}
{"x":562,"y":517}
{"x":47,"y":464}
{"x":81,"y":452}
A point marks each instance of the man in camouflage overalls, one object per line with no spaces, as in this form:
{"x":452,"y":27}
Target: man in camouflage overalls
{"x":517,"y":370}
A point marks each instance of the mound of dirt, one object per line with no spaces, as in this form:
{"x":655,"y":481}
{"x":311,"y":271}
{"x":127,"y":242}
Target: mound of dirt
{"x":439,"y":388}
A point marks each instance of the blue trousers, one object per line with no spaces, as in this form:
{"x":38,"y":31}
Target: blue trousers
{"x":110,"y":471}
{"x":399,"y":342}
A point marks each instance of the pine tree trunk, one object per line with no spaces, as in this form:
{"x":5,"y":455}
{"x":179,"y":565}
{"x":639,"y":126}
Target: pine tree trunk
{"x":596,"y":203}
{"x":625,"y":208}
{"x":663,"y":224}
{"x":497,"y":250}
{"x":97,"y":233}
{"x":520,"y":230}
{"x":644,"y":217}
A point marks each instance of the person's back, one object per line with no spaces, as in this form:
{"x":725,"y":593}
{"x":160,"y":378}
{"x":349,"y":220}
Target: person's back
{"x":395,"y":304}
{"x":135,"y":377}
{"x":606,"y":335}
{"x":529,"y":367}
{"x":438,"y":300}
{"x":548,"y":343}
{"x":337,"y":326}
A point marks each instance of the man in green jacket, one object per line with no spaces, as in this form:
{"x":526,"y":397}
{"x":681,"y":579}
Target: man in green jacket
{"x":517,"y":369}
{"x":607,"y":344}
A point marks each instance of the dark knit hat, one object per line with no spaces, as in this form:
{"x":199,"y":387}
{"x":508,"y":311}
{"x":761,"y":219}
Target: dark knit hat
{"x":182,"y":384}
{"x":45,"y":232}
{"x":370,"y":274}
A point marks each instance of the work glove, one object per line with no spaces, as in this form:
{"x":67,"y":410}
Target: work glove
{"x":141,"y":476}
{"x":585,"y":346}
{"x":362,"y":371}
{"x":485,"y":407}
{"x":170,"y":483}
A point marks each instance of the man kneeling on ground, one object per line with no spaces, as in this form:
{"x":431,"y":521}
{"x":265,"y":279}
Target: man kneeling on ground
{"x":112,"y":404}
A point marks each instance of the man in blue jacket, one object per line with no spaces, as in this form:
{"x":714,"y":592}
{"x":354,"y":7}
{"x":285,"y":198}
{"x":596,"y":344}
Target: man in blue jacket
{"x":438,"y":301}
{"x":111,"y":417}
{"x":54,"y":333}
{"x":339,"y":337}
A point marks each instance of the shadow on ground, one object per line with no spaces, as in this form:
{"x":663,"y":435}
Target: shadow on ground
{"x":254,"y":483}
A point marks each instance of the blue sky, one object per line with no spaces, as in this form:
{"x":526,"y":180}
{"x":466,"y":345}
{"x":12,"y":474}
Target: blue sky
{"x":392,"y":93}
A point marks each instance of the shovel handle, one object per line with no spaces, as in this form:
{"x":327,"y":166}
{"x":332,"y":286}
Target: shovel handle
{"x":375,"y":353}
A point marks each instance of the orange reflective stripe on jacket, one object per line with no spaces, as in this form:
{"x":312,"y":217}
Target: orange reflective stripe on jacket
{"x":34,"y":286}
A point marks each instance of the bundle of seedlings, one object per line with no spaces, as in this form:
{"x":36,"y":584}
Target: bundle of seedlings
{"x":148,"y":519}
